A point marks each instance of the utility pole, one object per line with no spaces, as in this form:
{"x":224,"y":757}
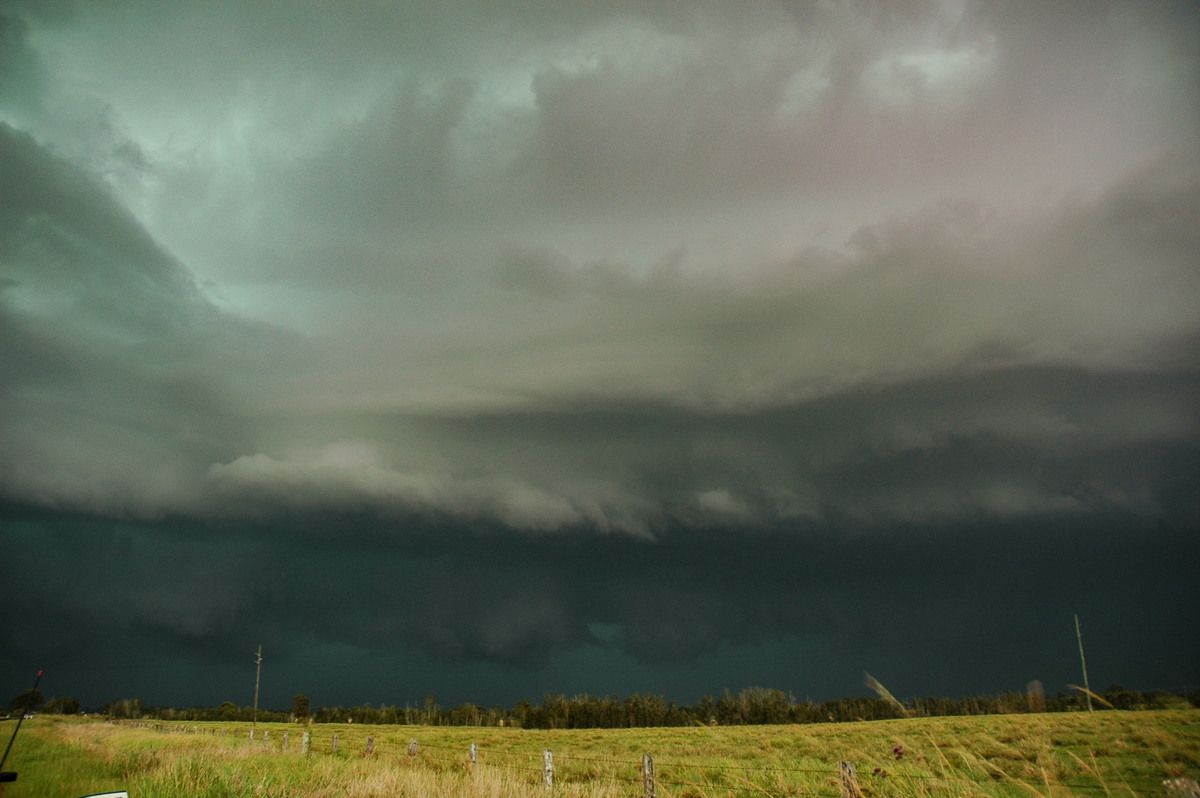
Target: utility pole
{"x":1083,"y":662}
{"x":258,"y":672}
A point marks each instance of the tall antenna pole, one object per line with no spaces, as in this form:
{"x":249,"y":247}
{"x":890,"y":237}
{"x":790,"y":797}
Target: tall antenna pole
{"x":20,"y":719}
{"x":1083,"y":662}
{"x":258,"y":672}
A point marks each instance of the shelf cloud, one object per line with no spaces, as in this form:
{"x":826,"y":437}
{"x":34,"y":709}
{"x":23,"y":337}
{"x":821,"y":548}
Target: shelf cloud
{"x":448,"y":297}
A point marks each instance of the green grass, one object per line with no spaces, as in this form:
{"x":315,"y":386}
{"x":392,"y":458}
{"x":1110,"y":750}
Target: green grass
{"x":1102,"y":755}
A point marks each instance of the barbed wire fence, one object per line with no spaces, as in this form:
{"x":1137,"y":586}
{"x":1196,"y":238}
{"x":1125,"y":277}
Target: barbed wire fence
{"x":644,"y":778}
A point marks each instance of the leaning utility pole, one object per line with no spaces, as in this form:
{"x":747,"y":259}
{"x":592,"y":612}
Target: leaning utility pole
{"x":1087,"y":688}
{"x":258,"y":672}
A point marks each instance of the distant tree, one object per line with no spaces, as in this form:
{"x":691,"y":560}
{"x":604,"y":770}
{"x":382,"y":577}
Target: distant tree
{"x":364,"y":713}
{"x":1011,"y":702}
{"x":124,"y":708}
{"x":1120,"y":698}
{"x":26,"y":701}
{"x":300,"y":707}
{"x":465,"y":715}
{"x":61,"y":706}
{"x":521,"y":713}
{"x":432,"y":713}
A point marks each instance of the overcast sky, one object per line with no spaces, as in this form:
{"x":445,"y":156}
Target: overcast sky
{"x":495,"y":349}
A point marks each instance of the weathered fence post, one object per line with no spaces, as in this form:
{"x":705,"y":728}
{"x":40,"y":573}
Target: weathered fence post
{"x":266,"y":738}
{"x":847,"y":780}
{"x":412,"y":751}
{"x":304,"y":743}
{"x":370,"y":746}
{"x":473,"y":755}
{"x":548,"y":759}
{"x":250,"y":736}
{"x":648,"y":775}
{"x":283,"y":743}
{"x":1181,"y":788}
{"x":335,"y":742}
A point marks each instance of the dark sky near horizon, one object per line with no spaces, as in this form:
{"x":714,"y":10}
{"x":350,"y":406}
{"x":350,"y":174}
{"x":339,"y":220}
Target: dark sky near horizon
{"x":491,"y":350}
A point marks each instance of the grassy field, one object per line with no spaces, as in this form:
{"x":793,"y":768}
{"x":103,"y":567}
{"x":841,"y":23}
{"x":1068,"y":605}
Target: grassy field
{"x":1101,"y":754}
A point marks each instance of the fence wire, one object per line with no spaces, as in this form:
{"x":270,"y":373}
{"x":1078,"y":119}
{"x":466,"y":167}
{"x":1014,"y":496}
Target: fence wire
{"x":667,"y":772}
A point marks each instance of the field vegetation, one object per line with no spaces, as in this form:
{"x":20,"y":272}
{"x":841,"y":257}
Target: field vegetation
{"x":1101,"y":754}
{"x":751,"y":706}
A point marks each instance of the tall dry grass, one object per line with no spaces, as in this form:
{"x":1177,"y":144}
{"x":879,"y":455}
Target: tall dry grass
{"x":1106,"y":755}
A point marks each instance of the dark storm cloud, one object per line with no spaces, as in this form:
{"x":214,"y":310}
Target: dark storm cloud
{"x":607,"y":329}
{"x":995,"y":604}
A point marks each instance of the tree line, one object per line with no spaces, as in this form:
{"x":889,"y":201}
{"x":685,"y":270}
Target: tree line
{"x":751,"y":706}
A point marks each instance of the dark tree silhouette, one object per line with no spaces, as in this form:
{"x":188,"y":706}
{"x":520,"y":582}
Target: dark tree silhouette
{"x":300,"y":707}
{"x":26,"y":701}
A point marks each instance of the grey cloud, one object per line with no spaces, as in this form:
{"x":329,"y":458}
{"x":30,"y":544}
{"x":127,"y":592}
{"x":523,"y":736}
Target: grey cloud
{"x":259,"y":486}
{"x":848,"y":100}
{"x":957,"y":285}
{"x":546,"y":272}
{"x":111,"y":355}
{"x":21,"y":72}
{"x":714,"y":108}
{"x":540,"y":271}
{"x":259,"y":481}
{"x":397,"y":165}
{"x":1021,"y":442}
{"x":927,"y":296}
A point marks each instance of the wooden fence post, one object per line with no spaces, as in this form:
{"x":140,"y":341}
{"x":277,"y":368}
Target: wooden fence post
{"x":370,"y":746}
{"x":304,"y":743}
{"x":648,"y":775}
{"x":335,"y":742}
{"x":1181,"y":788}
{"x":284,"y":742}
{"x":473,"y":755}
{"x":266,"y":738}
{"x":548,"y":760}
{"x":412,"y":751}
{"x":847,"y":780}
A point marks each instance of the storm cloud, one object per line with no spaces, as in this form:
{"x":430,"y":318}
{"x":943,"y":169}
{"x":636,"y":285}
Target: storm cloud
{"x":530,"y":345}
